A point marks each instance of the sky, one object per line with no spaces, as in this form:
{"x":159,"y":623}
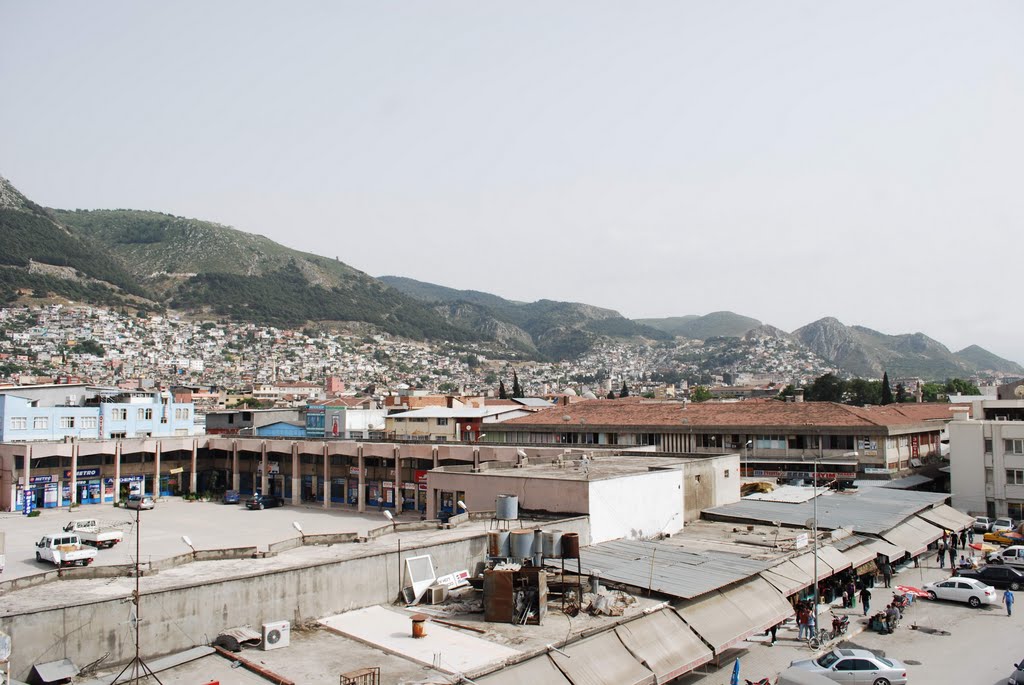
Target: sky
{"x":782,"y":160}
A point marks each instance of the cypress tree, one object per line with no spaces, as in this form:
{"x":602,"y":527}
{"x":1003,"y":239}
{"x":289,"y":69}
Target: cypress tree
{"x":517,"y":390}
{"x":886,"y":390}
{"x":502,"y":395}
{"x":625,"y":391}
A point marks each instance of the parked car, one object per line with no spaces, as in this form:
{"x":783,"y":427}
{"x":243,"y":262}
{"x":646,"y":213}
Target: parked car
{"x":232,"y":497}
{"x":1011,"y":556}
{"x":1002,"y":523}
{"x":259,"y":501}
{"x":1000,"y":577}
{"x":1017,"y":677}
{"x":1005,"y":537}
{"x":956,"y":589}
{"x":855,"y":666}
{"x":64,"y":549}
{"x":982,"y":524}
{"x":140,"y":502}
{"x":94,"y":533}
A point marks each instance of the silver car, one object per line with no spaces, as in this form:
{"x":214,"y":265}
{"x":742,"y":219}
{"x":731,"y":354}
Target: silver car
{"x":855,"y":666}
{"x":957,"y":589}
{"x":139,"y":502}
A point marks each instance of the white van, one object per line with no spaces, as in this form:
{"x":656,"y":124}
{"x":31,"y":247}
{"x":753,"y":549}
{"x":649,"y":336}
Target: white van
{"x":1011,"y":556}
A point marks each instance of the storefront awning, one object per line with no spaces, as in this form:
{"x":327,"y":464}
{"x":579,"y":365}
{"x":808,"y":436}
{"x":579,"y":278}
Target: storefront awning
{"x":945,"y":516}
{"x":601,"y":660}
{"x":787,"y":578}
{"x":834,"y":558}
{"x":859,"y":555}
{"x":664,"y":644}
{"x":538,"y":670}
{"x":765,"y":605}
{"x":806,"y":563}
{"x":723,"y":619}
{"x":886,"y":549}
{"x":913,"y":535}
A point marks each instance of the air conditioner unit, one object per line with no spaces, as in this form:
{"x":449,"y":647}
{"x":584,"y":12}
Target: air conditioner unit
{"x":276,"y":635}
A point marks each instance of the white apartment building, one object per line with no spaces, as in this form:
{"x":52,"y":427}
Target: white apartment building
{"x":986,"y":456}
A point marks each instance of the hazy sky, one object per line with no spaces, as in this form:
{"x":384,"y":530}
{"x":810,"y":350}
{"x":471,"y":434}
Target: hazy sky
{"x":784,"y":160}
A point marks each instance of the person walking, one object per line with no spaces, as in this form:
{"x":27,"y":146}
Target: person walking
{"x":887,"y":573}
{"x":865,"y":599}
{"x":802,"y":617}
{"x":1008,"y":601}
{"x":952,"y":558}
{"x":963,"y":539}
{"x":772,"y":630}
{"x":942,"y":554}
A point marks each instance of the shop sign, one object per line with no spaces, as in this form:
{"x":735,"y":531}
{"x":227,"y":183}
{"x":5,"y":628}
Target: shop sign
{"x":423,"y":487}
{"x":180,"y":469}
{"x":876,"y":470}
{"x":421,"y":476}
{"x":353,"y":470}
{"x":82,"y":473}
{"x":40,"y":479}
{"x":339,"y":481}
{"x":388,"y":484}
{"x":801,"y":541}
{"x":132,"y":479}
{"x":408,"y":486}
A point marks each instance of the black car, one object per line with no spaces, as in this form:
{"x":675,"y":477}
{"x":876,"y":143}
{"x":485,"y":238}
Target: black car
{"x":1001,"y":577}
{"x":259,"y":501}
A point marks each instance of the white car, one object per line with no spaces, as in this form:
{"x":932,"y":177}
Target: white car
{"x":969,"y":590}
{"x":855,"y":666}
{"x":1002,"y":523}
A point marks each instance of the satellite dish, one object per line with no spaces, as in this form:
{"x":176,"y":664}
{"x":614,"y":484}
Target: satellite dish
{"x":809,"y":523}
{"x":1019,"y":390}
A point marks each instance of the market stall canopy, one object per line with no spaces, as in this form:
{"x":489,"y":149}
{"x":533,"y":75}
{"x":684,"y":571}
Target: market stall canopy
{"x":601,"y":660}
{"x":664,"y":644}
{"x":945,"y":516}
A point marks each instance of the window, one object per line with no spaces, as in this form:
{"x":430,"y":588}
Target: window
{"x":988,"y":477}
{"x":1014,"y":477}
{"x":846,"y":442}
{"x":417,"y":419}
{"x":355,"y":435}
{"x":1015,"y":510}
{"x":119,"y":414}
{"x":144,"y":414}
{"x":89,"y":422}
{"x":706,"y":440}
{"x":67,"y":422}
{"x":442,"y":422}
{"x":41,"y":423}
{"x":19,"y":423}
{"x":988,"y":445}
{"x":770,"y":442}
{"x":1014,"y":446}
{"x":181,"y":414}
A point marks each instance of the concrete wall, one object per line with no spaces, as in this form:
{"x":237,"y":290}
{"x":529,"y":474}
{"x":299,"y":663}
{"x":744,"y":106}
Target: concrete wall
{"x":179,"y":618}
{"x":554,"y":495}
{"x":967,"y":466}
{"x":636,"y":506}
{"x":709,"y":483}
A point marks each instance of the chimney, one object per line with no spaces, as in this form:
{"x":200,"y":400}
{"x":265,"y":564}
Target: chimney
{"x":798,"y":395}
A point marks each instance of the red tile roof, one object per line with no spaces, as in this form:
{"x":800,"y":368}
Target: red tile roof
{"x":641,"y":412}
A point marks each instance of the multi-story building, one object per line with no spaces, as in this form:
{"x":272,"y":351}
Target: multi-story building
{"x":83,"y":412}
{"x":443,"y":424}
{"x":775,"y":439}
{"x":986,"y":456}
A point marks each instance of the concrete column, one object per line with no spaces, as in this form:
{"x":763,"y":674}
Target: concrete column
{"x":433,"y":455}
{"x":476,"y":458}
{"x":264,"y":476}
{"x":117,"y":471}
{"x":156,"y":471}
{"x":397,"y":483}
{"x":296,"y":475}
{"x":431,"y":504}
{"x":327,"y":479}
{"x":236,"y":477}
{"x":361,"y":465}
{"x":74,"y":473}
{"x":27,"y":471}
{"x":194,"y":479}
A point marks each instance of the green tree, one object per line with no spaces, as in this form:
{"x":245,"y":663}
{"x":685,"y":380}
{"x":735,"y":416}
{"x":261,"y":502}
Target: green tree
{"x":861,"y":392}
{"x":624,"y":392}
{"x":517,"y":390}
{"x":901,"y":393}
{"x":827,"y":388}
{"x":933,"y":392}
{"x":787,"y":391}
{"x":610,"y":395}
{"x":502,"y":394}
{"x":886,"y":389}
{"x":959,"y":385}
{"x":700,"y":393}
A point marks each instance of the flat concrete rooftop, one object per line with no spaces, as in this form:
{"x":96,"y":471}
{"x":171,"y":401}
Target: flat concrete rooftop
{"x":600,"y":467}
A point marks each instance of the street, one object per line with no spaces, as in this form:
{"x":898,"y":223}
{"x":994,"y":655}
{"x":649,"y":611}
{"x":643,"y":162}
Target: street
{"x":980,"y":649}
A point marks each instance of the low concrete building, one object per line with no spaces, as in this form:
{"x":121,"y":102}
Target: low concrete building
{"x":625,"y":496}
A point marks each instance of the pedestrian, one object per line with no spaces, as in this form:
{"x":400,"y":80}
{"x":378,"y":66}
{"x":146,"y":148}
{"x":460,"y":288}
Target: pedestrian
{"x":772,"y":631}
{"x":942,"y":555}
{"x":892,"y":617}
{"x":887,"y":573}
{"x":952,"y":557}
{"x":952,"y":541}
{"x":963,"y":539}
{"x":1008,"y":601}
{"x":802,"y":616}
{"x":851,"y":590}
{"x":865,"y":599}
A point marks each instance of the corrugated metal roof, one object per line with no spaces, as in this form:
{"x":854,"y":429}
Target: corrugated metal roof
{"x":870,"y":510}
{"x":908,"y":482}
{"x":665,"y":568}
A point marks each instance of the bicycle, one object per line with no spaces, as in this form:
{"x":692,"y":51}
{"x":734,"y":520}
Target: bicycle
{"x":819,"y":639}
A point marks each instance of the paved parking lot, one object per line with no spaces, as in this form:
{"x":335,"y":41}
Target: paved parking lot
{"x":209,"y":525}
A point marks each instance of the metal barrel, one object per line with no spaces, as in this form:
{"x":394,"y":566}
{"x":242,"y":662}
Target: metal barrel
{"x":506,"y":508}
{"x":571,"y":545}
{"x":521,"y":544}
{"x":497,"y":543}
{"x":538,"y":547}
{"x":553,"y":544}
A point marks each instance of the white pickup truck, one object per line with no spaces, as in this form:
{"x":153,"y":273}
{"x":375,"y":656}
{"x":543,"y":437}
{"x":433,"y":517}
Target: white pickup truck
{"x":64,"y":549}
{"x":94,"y":533}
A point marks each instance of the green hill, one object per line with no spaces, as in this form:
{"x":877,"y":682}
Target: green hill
{"x":713,"y":325}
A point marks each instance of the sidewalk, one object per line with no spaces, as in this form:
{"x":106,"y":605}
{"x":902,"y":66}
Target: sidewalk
{"x":759,"y":659}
